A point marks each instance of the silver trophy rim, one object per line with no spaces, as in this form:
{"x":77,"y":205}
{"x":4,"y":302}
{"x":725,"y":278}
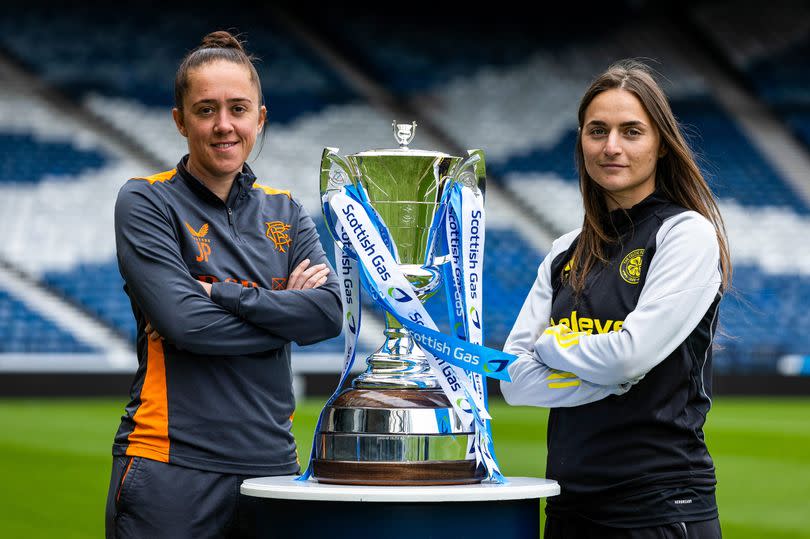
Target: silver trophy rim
{"x":390,"y":152}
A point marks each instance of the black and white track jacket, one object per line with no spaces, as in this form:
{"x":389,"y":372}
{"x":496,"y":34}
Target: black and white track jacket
{"x":626,"y":369}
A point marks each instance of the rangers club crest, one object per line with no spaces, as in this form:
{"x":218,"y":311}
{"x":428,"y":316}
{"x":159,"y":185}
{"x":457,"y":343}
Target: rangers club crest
{"x":277,"y":232}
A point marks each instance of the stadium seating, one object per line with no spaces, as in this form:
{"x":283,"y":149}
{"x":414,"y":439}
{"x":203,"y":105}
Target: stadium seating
{"x":763,"y":318}
{"x":136,"y":56}
{"x":514,"y":96}
{"x":770,"y":49}
{"x":510,"y":268}
{"x":36,"y":159}
{"x":98,"y":288}
{"x":783,"y":81}
{"x":23,"y":331}
{"x":522,"y":112}
{"x":98,"y":67}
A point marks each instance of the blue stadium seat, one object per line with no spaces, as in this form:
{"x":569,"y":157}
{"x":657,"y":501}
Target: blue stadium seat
{"x":27,"y":160}
{"x":135,"y":59}
{"x":734,"y":168}
{"x":24,"y":331}
{"x":762,"y":318}
{"x":99,"y":290}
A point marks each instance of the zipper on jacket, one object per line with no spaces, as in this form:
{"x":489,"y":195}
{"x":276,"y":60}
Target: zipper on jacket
{"x":230,"y":204}
{"x":234,"y":233}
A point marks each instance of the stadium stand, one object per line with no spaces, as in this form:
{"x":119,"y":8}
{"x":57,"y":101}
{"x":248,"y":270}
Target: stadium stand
{"x":512,"y":94}
{"x":771,"y":51}
{"x":138,"y":101}
{"x":24,"y":331}
{"x":522,"y":112}
{"x":59,"y":160}
{"x":99,"y":288}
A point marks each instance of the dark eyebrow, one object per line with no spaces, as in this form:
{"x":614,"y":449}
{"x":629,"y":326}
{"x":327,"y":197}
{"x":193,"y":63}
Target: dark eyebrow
{"x":633,"y":123}
{"x":232,"y":100}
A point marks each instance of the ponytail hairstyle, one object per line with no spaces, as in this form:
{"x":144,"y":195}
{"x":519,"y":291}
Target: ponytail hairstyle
{"x":677,"y":177}
{"x":216,"y":46}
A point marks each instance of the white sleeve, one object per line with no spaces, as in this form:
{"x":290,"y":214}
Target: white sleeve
{"x":534,"y":383}
{"x":682,"y":282}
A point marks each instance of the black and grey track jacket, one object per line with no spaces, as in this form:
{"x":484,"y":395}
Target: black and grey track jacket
{"x":626,"y":369}
{"x":216,"y":393}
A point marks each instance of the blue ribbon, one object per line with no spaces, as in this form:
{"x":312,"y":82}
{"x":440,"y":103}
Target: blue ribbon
{"x":456,"y":317}
{"x":458,"y":352}
{"x":490,"y":362}
{"x":461,"y":320}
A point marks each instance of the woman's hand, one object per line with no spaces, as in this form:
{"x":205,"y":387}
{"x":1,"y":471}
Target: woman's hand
{"x":151,"y":332}
{"x":304,"y":276}
{"x":206,"y":287}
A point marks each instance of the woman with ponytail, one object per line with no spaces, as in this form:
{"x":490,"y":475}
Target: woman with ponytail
{"x":223,"y":273}
{"x":615,"y":336}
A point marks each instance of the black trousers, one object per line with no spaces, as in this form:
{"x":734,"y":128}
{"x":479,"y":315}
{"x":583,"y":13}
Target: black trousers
{"x":579,"y":528}
{"x":153,"y":499}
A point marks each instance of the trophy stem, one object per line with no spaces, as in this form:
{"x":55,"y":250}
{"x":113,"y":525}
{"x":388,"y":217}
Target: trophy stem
{"x":398,"y":364}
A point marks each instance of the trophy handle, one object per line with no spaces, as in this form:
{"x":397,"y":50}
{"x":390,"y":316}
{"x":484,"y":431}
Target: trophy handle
{"x":333,"y":183}
{"x":471,"y":172}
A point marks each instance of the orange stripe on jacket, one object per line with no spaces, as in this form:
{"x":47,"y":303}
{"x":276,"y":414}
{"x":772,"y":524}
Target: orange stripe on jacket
{"x":160,"y":177}
{"x":150,"y":437}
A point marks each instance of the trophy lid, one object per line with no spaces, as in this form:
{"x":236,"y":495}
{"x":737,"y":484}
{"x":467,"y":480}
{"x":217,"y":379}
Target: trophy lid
{"x":404,"y":134}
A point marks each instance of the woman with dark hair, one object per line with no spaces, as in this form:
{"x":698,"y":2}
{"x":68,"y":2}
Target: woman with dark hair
{"x":615,"y":335}
{"x":223,"y":273}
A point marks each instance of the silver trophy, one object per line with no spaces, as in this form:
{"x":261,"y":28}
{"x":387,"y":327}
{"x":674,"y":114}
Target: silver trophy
{"x":395,"y":426}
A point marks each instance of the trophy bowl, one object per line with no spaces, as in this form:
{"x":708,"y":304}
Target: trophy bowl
{"x":394,"y":425}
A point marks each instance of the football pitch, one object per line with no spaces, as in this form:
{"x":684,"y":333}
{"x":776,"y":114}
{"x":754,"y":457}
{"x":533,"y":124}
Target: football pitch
{"x":55,"y":462}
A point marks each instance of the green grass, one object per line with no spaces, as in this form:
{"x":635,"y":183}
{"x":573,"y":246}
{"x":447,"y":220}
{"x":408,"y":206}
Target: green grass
{"x":55,"y":462}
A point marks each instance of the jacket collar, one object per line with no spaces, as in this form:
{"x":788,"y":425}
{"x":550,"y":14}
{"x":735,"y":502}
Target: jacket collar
{"x":624,"y":219}
{"x":242,"y":183}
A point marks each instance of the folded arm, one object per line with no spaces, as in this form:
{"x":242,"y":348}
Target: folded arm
{"x":159,"y":281}
{"x":682,"y":282}
{"x":533,"y":382}
{"x":305,"y":315}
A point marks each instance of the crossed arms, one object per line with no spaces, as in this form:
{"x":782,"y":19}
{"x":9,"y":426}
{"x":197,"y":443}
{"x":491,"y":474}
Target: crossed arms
{"x":560,"y":368}
{"x":233,"y":320}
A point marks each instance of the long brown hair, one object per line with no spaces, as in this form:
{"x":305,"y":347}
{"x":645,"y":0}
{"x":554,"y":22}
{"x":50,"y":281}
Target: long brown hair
{"x":677,"y":176}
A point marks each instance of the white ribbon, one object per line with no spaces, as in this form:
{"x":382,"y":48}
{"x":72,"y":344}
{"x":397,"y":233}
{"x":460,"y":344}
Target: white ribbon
{"x":350,"y":295}
{"x":473,"y":226}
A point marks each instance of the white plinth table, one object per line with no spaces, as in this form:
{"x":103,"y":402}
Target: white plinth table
{"x":284,"y":507}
